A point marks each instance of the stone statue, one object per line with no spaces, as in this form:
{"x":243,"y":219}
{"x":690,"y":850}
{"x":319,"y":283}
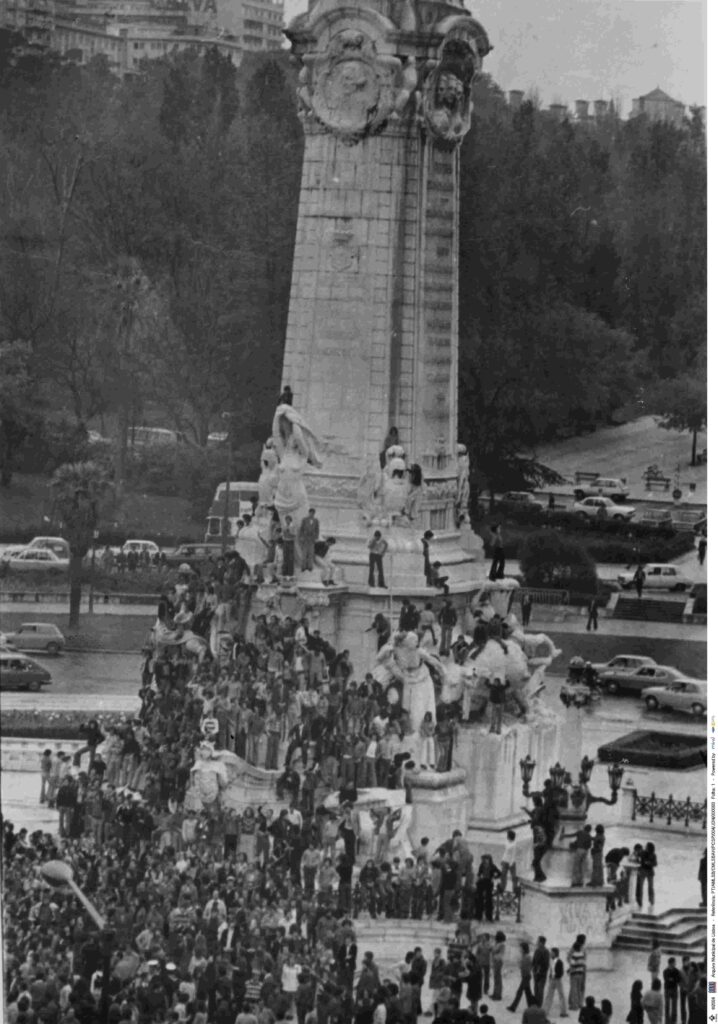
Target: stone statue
{"x":268,"y":478}
{"x":404,"y":660}
{"x":296,"y":446}
{"x":446,"y":95}
{"x":462,"y":483}
{"x":393,"y":494}
{"x":208,"y":778}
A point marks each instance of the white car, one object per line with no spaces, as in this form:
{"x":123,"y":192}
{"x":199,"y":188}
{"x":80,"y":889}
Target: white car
{"x":659,"y":576}
{"x":689,"y":695}
{"x":140,"y":547}
{"x":622,"y":664}
{"x":36,"y":636}
{"x":36,"y":560}
{"x":605,"y":486}
{"x":603,"y":508}
{"x":57,"y":544}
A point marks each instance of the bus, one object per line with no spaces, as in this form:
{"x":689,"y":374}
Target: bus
{"x":243,"y":496}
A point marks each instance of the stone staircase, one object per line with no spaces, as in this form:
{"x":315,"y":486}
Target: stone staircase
{"x":681,"y":930}
{"x":649,"y":609}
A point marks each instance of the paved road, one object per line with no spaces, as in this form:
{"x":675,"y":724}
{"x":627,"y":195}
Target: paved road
{"x":84,"y":674}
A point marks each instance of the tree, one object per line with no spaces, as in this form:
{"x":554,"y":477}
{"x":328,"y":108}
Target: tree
{"x":549,"y":560}
{"x":18,"y":403}
{"x":682,"y":404}
{"x":79,"y":489}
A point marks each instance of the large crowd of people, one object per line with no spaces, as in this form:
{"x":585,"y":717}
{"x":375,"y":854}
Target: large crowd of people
{"x":216,"y":915}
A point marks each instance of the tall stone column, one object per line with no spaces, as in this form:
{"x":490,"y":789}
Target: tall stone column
{"x":372,"y":336}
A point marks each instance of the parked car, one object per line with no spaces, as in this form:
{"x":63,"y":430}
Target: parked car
{"x":605,"y":486}
{"x":639,"y":679}
{"x":520,"y":500}
{"x":193,"y":554}
{"x":18,"y":672}
{"x":659,"y":576}
{"x":37,"y":636}
{"x":623,"y":663}
{"x":35,"y":560}
{"x":689,"y":695}
{"x":689,"y":519}
{"x":140,"y":547}
{"x":57,"y":544}
{"x":603,"y":508}
{"x":658,"y":518}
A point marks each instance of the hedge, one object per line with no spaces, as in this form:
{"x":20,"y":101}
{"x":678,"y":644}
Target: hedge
{"x":617,"y":543}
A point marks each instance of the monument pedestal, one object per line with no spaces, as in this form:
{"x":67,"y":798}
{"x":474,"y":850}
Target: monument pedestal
{"x":438,"y":801}
{"x":561,"y":912}
{"x":491,"y":763}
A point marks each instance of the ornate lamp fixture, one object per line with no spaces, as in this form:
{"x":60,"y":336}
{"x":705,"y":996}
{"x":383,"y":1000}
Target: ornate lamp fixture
{"x":527,"y":766}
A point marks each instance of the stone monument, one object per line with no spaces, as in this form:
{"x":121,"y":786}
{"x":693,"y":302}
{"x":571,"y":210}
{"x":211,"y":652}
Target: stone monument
{"x":372,"y":336}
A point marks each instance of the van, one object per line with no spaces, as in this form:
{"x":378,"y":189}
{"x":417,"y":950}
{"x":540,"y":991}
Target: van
{"x":243,"y":496}
{"x":155,"y":437}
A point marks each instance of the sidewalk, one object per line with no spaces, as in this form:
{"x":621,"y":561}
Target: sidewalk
{"x":620,"y":627}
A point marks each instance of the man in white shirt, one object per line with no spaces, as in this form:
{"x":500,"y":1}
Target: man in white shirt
{"x":508,"y":862}
{"x":215,"y":907}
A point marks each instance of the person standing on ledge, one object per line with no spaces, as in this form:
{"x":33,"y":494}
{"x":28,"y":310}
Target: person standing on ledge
{"x":425,"y":541}
{"x":498,"y":560}
{"x":307,"y":537}
{"x":377,"y":549}
{"x":447,"y":620}
{"x":287,"y":396}
{"x":580,"y":848}
{"x":288,"y":538}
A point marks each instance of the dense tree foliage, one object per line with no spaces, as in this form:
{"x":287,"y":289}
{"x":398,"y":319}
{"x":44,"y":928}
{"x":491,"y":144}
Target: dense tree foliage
{"x":79,"y":489}
{"x":146,"y":254}
{"x":583,"y":273}
{"x":146,"y":248}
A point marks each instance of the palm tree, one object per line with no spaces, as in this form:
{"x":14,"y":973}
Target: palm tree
{"x":79,"y":489}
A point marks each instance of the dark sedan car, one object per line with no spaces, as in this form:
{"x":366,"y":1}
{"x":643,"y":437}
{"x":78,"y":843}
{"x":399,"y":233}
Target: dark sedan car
{"x":193,"y":555}
{"x":18,"y":672}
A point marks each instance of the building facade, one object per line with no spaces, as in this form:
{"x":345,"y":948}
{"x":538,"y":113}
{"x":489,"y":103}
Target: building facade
{"x":126,"y":32}
{"x":658,"y":106}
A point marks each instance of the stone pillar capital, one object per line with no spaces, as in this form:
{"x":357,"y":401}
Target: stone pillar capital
{"x":367,"y":66}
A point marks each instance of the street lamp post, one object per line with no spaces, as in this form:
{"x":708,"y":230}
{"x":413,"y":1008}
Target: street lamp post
{"x":59,"y":873}
{"x":91,"y":598}
{"x":227,"y":416}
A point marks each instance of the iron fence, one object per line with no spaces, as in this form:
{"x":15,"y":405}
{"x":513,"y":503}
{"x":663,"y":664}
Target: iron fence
{"x":666,"y":808}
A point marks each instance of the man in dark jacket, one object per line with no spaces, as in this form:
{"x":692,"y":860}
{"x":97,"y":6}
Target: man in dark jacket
{"x":540,"y":968}
{"x":447,"y":620}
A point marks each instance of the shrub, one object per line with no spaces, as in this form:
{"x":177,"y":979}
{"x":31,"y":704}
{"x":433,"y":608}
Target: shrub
{"x":549,"y":559}
{"x":647,"y":548}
